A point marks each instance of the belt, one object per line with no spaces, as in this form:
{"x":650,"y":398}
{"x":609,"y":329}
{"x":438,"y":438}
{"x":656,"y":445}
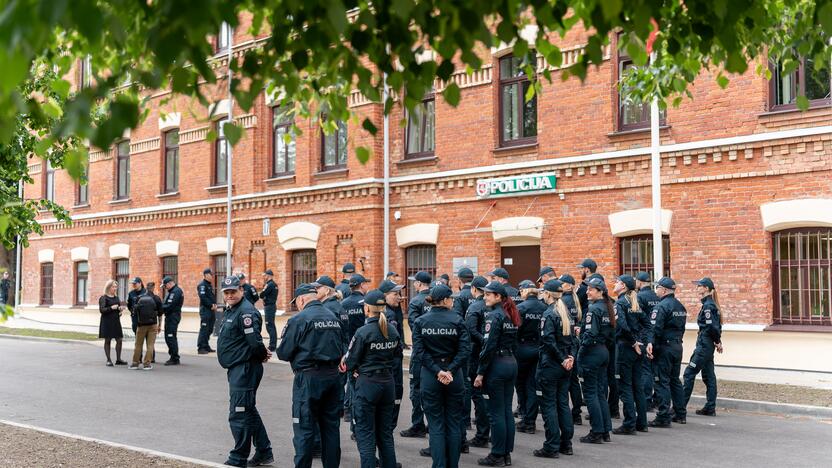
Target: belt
{"x":320,"y":365}
{"x":505,"y":352}
{"x":376,"y":372}
{"x":673,"y":340}
{"x":442,"y":360}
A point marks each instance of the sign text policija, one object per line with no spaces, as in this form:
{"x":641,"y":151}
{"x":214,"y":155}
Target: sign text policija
{"x":527,"y":184}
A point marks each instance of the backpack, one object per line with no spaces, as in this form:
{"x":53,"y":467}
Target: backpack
{"x":146,"y":310}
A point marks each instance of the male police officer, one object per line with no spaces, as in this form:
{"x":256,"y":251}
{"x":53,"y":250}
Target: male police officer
{"x":647,"y":301}
{"x":248,"y":290}
{"x":475,"y":321}
{"x":344,"y":286}
{"x":546,"y":273}
{"x":132,"y":297}
{"x":353,"y":304}
{"x":393,"y":276}
{"x":500,"y":275}
{"x":207,"y":307}
{"x":665,"y":347}
{"x":415,"y":309}
{"x":240,"y":350}
{"x":464,"y":298}
{"x":313,"y":342}
{"x":172,"y":308}
{"x":269,"y":296}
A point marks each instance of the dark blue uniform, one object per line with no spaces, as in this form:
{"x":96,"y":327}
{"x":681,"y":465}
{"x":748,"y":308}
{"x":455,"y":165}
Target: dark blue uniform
{"x":132,"y":297}
{"x":593,"y":359}
{"x":313,"y":342}
{"x":463,"y":300}
{"x":528,"y":348}
{"x":207,"y":300}
{"x":513,"y":293}
{"x":441,"y":343}
{"x":353,"y":305}
{"x":344,"y":288}
{"x":338,"y":311}
{"x":647,"y":301}
{"x":630,"y":327}
{"x":373,"y":356}
{"x":710,"y":333}
{"x":499,"y":370}
{"x":395,"y":320}
{"x":240,"y":350}
{"x":475,"y":321}
{"x":666,"y":335}
{"x":553,"y":381}
{"x":172,"y":308}
{"x":250,"y":294}
{"x":269,"y":296}
{"x":415,"y":309}
{"x":575,"y":393}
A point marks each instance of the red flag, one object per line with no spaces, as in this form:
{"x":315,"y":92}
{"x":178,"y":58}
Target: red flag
{"x":652,"y":37}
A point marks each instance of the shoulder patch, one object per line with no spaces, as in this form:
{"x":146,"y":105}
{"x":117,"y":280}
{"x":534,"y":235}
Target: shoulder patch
{"x":707,"y":315}
{"x":588,"y":318}
{"x":487,"y":327}
{"x":247,"y":321}
{"x":653,"y":316}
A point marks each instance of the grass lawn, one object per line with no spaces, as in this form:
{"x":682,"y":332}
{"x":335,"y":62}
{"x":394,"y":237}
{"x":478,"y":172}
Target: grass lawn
{"x":48,"y":334}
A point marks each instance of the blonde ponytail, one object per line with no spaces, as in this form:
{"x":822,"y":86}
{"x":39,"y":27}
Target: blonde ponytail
{"x":716,"y":301}
{"x":382,"y":318}
{"x":565,"y":320}
{"x":578,"y":306}
{"x":632,"y":296}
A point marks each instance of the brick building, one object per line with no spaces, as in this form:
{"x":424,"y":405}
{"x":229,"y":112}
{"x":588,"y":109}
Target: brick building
{"x":747,"y":196}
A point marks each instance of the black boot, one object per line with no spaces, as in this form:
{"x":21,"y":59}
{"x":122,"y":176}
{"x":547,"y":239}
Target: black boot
{"x":704,"y":412}
{"x":413,"y":432}
{"x":566,"y":450}
{"x":492,"y":460}
{"x":679,"y":419}
{"x":621,"y":430}
{"x":657,"y":423}
{"x":479,"y":443}
{"x":425,"y":452}
{"x":543,"y":453}
{"x":606,"y":436}
{"x":593,"y":438}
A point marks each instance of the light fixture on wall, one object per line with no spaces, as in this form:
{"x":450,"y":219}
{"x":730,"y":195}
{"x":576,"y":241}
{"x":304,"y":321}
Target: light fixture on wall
{"x":561,"y":195}
{"x":397,"y":215}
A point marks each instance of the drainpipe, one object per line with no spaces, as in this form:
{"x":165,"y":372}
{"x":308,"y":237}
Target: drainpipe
{"x":656,"y":182}
{"x":386,"y":93}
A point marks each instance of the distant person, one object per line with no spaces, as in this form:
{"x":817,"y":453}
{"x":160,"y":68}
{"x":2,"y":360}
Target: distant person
{"x":172,"y":308}
{"x":249,"y":291}
{"x":207,"y":309}
{"x":147,"y":317}
{"x":151,"y":289}
{"x":5,"y":285}
{"x":138,"y":289}
{"x":109,"y":328}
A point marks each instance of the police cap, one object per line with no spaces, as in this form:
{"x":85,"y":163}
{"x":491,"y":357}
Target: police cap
{"x":545,"y":271}
{"x":479,"y":282}
{"x":667,"y":282}
{"x":136,"y":280}
{"x":207,"y":271}
{"x":166,"y":280}
{"x":526,"y":284}
{"x":465,"y":273}
{"x":230,"y":282}
{"x":357,"y":279}
{"x":496,"y":288}
{"x":596,"y":283}
{"x":268,"y":272}
{"x":375,"y":298}
{"x":439,"y":292}
{"x":241,"y":276}
{"x":304,"y":289}
{"x":422,"y":277}
{"x":499,"y":272}
{"x":324,"y":281}
{"x":628,"y":281}
{"x":588,"y":263}
{"x":643,"y":276}
{"x":707,"y":282}
{"x":553,"y":285}
{"x":387,"y":286}
{"x":566,"y":278}
{"x":348,"y":268}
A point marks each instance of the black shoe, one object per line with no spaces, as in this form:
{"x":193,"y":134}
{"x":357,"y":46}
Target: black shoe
{"x":592,"y":438}
{"x":203,"y":351}
{"x":347,"y":417}
{"x":465,"y":448}
{"x":352,"y":436}
{"x":507,"y":458}
{"x":261,"y":460}
{"x":492,"y":460}
{"x":657,"y":423}
{"x":525,"y":428}
{"x":272,"y":348}
{"x":119,"y":362}
{"x":153,"y":361}
{"x":577,"y":420}
{"x":679,"y":419}
{"x":704,"y":412}
{"x":231,"y":463}
{"x":621,"y":430}
{"x":587,"y":417}
{"x":642,"y":429}
{"x":109,"y":364}
{"x":211,"y":350}
{"x":172,"y":362}
{"x":543,"y":453}
{"x":615,"y":415}
{"x":413,"y":432}
{"x":479,"y":443}
{"x":425,"y":452}
{"x":566,"y":450}
{"x":606,"y":437}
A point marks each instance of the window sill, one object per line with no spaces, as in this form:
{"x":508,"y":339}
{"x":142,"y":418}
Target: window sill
{"x":218,"y":188}
{"x":121,"y":201}
{"x":432,"y":159}
{"x":287,"y":178}
{"x":514,"y":149}
{"x":80,"y":207}
{"x":331,"y":173}
{"x":165,"y":196}
{"x":794,"y":110}
{"x":635,"y":131}
{"x":799,"y":328}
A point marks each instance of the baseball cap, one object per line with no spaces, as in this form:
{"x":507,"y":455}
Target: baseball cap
{"x":479,"y":282}
{"x":553,"y":285}
{"x":497,"y":288}
{"x":241,"y":276}
{"x":667,"y":282}
{"x":526,"y":284}
{"x":391,"y":273}
{"x":566,"y":278}
{"x":465,"y":272}
{"x":357,"y":279}
{"x":167,"y":279}
{"x":230,"y":282}
{"x":445,"y":277}
{"x":440,"y":292}
{"x":628,"y":281}
{"x":707,"y":282}
{"x":643,"y":276}
{"x":588,"y":263}
{"x":499,"y":272}
{"x":303,"y":289}
{"x":596,"y":283}
{"x":268,"y":272}
{"x":207,"y":271}
{"x":348,"y":268}
{"x":387,"y":286}
{"x":421,"y":276}
{"x":375,"y":298}
{"x":324,"y":281}
{"x":136,"y":280}
{"x":545,"y":271}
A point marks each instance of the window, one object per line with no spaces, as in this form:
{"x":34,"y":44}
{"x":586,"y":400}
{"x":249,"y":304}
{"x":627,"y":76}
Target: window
{"x":420,"y":128}
{"x":632,"y":115}
{"x":171,"y":184}
{"x":419,"y":258}
{"x":334,"y":149}
{"x":46,"y":283}
{"x":637,"y":255}
{"x":518,"y":118}
{"x":82,"y":271}
{"x":801,"y":272}
{"x":283,"y":152}
{"x":49,"y":182}
{"x":170,"y":267}
{"x":220,"y":272}
{"x":121,"y":273}
{"x":82,"y":188}
{"x":221,"y":155}
{"x":224,"y":37}
{"x":123,"y":170}
{"x":85,"y":72}
{"x":304,"y":267}
{"x":808,"y":80}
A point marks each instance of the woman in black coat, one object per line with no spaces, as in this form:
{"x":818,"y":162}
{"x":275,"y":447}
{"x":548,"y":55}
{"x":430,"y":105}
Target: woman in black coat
{"x":109,"y":328}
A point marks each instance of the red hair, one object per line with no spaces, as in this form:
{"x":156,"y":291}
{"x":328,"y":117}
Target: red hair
{"x":510,"y":309}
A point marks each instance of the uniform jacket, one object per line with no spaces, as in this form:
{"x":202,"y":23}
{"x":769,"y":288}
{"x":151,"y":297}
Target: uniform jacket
{"x":597,"y":326}
{"x":440,"y":340}
{"x":311,"y":338}
{"x":332,"y":305}
{"x":475,"y":321}
{"x":395,"y":318}
{"x":269,"y":294}
{"x":581,"y":291}
{"x":463,"y":300}
{"x":670,"y":317}
{"x":354,"y":306}
{"x":370,"y":351}
{"x":709,"y":322}
{"x":239,"y":338}
{"x":417,"y":307}
{"x":499,"y":336}
{"x":531,"y":313}
{"x":132,"y":297}
{"x":344,"y":288}
{"x":207,"y":298}
{"x":554,"y":346}
{"x":250,"y":293}
{"x":630,"y":327}
{"x":173,"y":301}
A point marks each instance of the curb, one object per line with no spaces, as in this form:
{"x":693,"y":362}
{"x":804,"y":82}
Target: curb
{"x":47,"y":339}
{"x":770,"y":407}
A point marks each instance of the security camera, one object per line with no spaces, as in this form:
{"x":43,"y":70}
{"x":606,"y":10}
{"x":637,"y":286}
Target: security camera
{"x":397,"y":215}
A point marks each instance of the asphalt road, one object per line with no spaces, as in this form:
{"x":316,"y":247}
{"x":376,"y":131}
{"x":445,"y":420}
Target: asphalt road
{"x":183,"y":410}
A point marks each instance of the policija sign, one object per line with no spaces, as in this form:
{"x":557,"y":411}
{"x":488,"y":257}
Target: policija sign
{"x":514,"y":186}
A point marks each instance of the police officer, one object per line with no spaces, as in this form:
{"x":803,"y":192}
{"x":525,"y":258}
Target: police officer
{"x":593,"y":359}
{"x":528,"y":349}
{"x":464,"y":298}
{"x":313,"y":342}
{"x":395,"y":318}
{"x":546,"y":273}
{"x":557,"y":358}
{"x":497,"y":371}
{"x":373,"y":351}
{"x":172,"y":308}
{"x":415,"y":309}
{"x":665,"y":348}
{"x":632,"y":326}
{"x":708,"y":339}
{"x":248,"y":290}
{"x":240,"y":350}
{"x":353,"y":305}
{"x":445,"y":279}
{"x":573,"y":305}
{"x":647,"y":301}
{"x":475,"y":321}
{"x":441,"y":344}
{"x":138,"y":290}
{"x":269,"y":297}
{"x":393,"y":277}
{"x":500,"y":275}
{"x":344,"y":286}
{"x":207,"y":308}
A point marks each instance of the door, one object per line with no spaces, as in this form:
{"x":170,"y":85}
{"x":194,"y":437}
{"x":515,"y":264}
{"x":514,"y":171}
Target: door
{"x":521,"y":262}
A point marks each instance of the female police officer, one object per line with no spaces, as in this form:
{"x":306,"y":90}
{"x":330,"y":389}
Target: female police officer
{"x":593,"y":359}
{"x":632,"y":325}
{"x":573,"y":305}
{"x":441,"y":344}
{"x":372,"y":354}
{"x":528,"y":336}
{"x":498,"y":371}
{"x":708,"y":340}
{"x":557,"y":357}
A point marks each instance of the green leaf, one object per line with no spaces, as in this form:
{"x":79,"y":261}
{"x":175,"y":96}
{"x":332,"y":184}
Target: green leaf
{"x":52,"y":109}
{"x":402,"y":8}
{"x":802,"y":102}
{"x":75,"y":162}
{"x":722,"y":81}
{"x":825,"y":16}
{"x":42,"y":147}
{"x":60,"y":87}
{"x":611,"y":8}
{"x":368,"y":125}
{"x":14,"y":68}
{"x":337,"y":15}
{"x":232,"y":132}
{"x":363,"y":154}
{"x":451,"y":94}
{"x":4,"y":224}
